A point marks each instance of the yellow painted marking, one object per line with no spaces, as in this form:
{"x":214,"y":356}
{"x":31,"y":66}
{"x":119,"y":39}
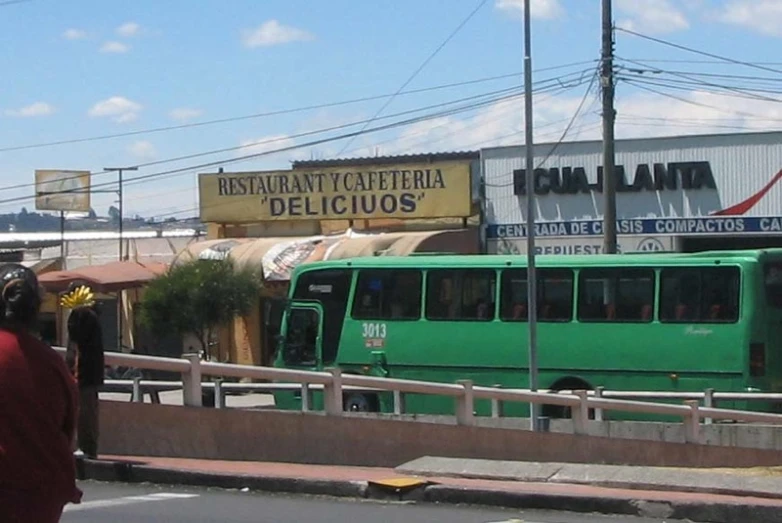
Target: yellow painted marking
{"x":400,"y":482}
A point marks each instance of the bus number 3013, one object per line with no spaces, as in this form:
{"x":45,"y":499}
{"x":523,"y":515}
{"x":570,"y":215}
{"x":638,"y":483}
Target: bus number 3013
{"x":373,"y":330}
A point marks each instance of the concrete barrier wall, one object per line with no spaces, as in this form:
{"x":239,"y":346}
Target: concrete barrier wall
{"x":163,"y":430}
{"x":722,"y":434}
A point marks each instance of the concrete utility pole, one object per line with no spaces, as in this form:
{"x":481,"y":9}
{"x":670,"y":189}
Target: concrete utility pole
{"x":532,"y":302}
{"x":609,"y":115}
{"x":120,"y":294}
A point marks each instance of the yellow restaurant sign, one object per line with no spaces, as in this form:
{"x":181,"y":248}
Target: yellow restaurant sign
{"x":436,"y":190}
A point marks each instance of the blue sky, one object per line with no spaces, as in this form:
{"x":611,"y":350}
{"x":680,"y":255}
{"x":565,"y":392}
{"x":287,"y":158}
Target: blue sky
{"x":88,"y":68}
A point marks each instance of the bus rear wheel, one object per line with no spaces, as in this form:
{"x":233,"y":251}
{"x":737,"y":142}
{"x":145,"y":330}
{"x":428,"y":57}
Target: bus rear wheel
{"x":357,"y":402}
{"x":559,"y":411}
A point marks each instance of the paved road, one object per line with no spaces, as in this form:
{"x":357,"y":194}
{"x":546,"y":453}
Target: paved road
{"x":118,"y":503}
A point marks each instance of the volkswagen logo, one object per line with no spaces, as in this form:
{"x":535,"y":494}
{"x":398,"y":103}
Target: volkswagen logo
{"x":650,"y":245}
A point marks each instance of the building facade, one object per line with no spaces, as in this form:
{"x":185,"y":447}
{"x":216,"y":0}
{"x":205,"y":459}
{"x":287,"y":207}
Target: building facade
{"x":684,"y":193}
{"x":274,"y":221}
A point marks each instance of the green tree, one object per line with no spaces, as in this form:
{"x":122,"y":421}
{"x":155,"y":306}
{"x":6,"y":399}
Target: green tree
{"x":198,"y":297}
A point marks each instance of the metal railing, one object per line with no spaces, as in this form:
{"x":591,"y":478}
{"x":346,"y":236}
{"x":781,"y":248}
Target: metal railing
{"x":333,"y":383}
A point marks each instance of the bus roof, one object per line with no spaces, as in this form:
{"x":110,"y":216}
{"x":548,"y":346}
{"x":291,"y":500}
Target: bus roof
{"x":423,"y":260}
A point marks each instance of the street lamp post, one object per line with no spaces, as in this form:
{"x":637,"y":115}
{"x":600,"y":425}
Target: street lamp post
{"x":120,"y":294}
{"x":532,"y":303}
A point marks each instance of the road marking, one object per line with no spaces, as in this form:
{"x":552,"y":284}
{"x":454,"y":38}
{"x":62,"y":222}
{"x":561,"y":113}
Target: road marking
{"x":128,"y":500}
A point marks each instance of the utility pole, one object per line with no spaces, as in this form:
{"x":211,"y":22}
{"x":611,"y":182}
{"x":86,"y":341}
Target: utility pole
{"x":609,"y":115}
{"x":120,"y":294}
{"x":532,"y":302}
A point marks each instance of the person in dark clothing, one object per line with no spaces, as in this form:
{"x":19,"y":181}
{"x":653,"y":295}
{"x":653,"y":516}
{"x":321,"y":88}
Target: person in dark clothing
{"x":38,"y":410}
{"x":86,"y":360}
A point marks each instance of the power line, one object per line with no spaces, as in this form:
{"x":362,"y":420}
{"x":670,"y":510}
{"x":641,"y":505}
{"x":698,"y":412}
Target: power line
{"x":718,"y":86}
{"x":691,"y":102}
{"x":464,"y":22}
{"x":558,"y":82}
{"x":281,"y":111}
{"x":11,"y":2}
{"x":697,"y":51}
{"x":184,"y":170}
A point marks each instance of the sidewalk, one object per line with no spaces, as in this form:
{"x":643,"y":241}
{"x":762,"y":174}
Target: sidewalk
{"x":632,"y":491}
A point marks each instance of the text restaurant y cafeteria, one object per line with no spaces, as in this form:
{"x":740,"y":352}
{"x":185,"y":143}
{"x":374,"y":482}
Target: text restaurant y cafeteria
{"x":687,"y":193}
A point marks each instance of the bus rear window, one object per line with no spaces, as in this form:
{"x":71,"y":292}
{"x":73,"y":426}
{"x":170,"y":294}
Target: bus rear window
{"x":772,"y":278}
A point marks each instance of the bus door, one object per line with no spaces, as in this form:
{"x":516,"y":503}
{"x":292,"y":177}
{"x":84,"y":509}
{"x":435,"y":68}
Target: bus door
{"x":302,"y":335}
{"x":772,"y":279}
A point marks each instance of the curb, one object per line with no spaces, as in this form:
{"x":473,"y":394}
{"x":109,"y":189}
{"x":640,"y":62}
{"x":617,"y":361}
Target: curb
{"x":707,"y":511}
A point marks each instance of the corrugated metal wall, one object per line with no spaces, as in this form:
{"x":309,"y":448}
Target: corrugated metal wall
{"x":742,"y":165}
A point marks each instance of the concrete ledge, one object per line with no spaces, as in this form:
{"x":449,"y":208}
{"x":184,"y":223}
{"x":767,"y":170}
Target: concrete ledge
{"x":131,"y":473}
{"x":697,"y":511}
{"x":736,"y":482}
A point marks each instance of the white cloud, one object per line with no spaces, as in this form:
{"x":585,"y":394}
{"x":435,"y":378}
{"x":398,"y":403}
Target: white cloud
{"x":118,"y":108}
{"x":128,"y":29}
{"x":143,"y":150}
{"x":264,"y":144}
{"x":273,"y":32}
{"x":34,"y":109}
{"x":184,"y":113}
{"x":762,"y":16}
{"x":74,"y":34}
{"x":114,"y":47}
{"x":544,"y":9}
{"x":651,"y":16}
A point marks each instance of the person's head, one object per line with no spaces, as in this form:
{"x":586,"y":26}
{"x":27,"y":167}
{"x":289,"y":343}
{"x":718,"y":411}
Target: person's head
{"x":21,"y":296}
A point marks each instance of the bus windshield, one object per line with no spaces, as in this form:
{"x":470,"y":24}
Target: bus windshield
{"x":773,"y":284}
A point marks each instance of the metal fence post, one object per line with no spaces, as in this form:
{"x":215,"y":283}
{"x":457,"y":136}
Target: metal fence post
{"x":692,"y":423}
{"x":581,"y":413}
{"x":497,"y":406}
{"x":399,"y":402}
{"x":191,"y":381}
{"x":137,"y":396}
{"x":332,"y":394}
{"x":219,"y":396}
{"x":465,"y":414}
{"x":306,"y":397}
{"x":708,"y":402}
{"x":599,"y":411}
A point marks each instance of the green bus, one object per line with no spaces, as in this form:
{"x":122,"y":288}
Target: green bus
{"x":644,"y":322}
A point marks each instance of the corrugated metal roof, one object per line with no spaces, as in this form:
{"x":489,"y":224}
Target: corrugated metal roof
{"x":379,"y":160}
{"x":635,"y":142}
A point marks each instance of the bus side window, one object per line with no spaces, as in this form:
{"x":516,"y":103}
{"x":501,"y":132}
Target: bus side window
{"x":388,"y":295}
{"x":700,"y":295}
{"x":461,"y":295}
{"x":554,"y":289}
{"x":616,"y":295}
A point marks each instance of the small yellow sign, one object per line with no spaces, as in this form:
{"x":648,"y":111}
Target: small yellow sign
{"x":434,"y":190}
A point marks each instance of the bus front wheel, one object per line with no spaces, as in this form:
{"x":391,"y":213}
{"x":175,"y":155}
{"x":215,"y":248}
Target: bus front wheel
{"x":361,"y":403}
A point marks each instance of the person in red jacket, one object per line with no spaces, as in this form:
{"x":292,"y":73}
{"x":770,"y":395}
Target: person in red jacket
{"x":38,"y":410}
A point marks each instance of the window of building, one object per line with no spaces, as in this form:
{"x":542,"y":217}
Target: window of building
{"x":554,"y":290}
{"x":700,"y":295}
{"x":461,"y":295}
{"x":388,"y":295}
{"x":623,"y":295}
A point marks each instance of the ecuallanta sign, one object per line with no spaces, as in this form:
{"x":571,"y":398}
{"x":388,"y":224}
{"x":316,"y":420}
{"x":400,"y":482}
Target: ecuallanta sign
{"x":436,"y":190}
{"x":714,"y":225}
{"x":644,"y":177}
